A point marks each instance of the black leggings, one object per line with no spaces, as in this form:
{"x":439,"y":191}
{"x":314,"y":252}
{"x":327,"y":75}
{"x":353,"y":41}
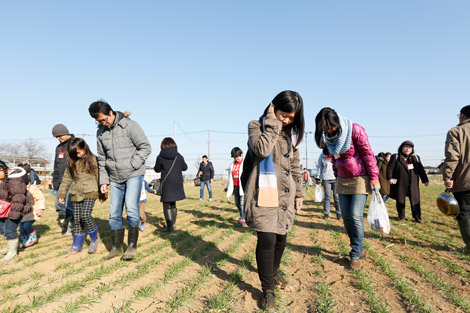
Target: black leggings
{"x":269,"y":250}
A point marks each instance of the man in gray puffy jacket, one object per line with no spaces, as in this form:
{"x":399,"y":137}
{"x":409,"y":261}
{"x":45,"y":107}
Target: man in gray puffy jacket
{"x":123,"y":149}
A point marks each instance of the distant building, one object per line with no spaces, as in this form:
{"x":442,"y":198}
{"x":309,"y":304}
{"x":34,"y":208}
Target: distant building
{"x":42,"y":167}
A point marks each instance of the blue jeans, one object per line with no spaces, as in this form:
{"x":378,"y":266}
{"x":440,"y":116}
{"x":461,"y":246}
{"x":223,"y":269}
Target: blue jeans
{"x":238,"y":200}
{"x":127,"y":193}
{"x":8,"y":228}
{"x":328,"y":186}
{"x":385,"y":198}
{"x":62,"y":209}
{"x":352,"y":209}
{"x":26,"y":228}
{"x":203,"y":183}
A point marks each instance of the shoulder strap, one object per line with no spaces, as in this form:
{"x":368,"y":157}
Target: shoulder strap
{"x":169,"y":171}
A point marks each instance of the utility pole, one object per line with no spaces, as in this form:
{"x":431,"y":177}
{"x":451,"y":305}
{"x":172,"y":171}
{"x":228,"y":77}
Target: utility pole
{"x":306,"y":149}
{"x":209,"y":144}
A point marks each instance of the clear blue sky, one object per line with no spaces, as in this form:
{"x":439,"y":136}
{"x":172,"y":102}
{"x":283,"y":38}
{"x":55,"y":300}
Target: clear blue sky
{"x":398,"y":68}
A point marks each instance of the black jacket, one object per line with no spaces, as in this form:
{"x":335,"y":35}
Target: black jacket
{"x":207,"y":171}
{"x":60,"y":162}
{"x":407,"y":180}
{"x":172,"y":188}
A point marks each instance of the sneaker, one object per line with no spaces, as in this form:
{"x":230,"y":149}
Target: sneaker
{"x":339,"y":217}
{"x":269,"y":301}
{"x":280,"y":280}
{"x":241,"y":222}
{"x":200,"y":199}
{"x":210,"y":199}
{"x":142,"y":226}
{"x":326,"y":217}
{"x":419,"y":221}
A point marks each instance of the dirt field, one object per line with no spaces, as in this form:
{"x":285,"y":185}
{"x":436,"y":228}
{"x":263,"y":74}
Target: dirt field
{"x":208,"y":265}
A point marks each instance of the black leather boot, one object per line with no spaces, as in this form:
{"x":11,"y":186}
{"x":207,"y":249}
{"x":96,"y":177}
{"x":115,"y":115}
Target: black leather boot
{"x":168,"y":219}
{"x":117,"y":237}
{"x":132,"y":236}
{"x":174,"y":212}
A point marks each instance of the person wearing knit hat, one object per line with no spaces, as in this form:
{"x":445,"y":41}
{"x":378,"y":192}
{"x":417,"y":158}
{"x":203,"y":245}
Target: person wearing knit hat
{"x":64,"y":211}
{"x":403,"y":172}
{"x":60,"y":130}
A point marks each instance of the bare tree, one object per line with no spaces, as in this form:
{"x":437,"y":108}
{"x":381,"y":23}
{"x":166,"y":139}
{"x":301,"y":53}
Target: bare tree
{"x":196,"y":164}
{"x":33,"y":149}
{"x":13,"y":150}
{"x":4,"y":149}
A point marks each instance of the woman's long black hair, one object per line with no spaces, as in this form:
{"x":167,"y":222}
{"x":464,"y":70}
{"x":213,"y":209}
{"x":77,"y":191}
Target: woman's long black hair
{"x":4,"y":168}
{"x":290,"y":101}
{"x":327,"y":117}
{"x":72,"y":158}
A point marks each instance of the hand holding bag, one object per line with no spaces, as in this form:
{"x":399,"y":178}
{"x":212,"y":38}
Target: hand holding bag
{"x":318,"y":194}
{"x":377,"y":217}
{"x":5,"y":208}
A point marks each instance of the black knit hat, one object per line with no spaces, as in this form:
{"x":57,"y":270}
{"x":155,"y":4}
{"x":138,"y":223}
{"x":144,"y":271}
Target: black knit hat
{"x":60,"y":130}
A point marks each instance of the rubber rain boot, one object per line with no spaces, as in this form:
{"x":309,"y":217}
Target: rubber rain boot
{"x":12,"y":250}
{"x":94,"y":241}
{"x":117,"y":238}
{"x":464,"y":226}
{"x":32,"y":239}
{"x":174,"y":212}
{"x":132,"y":237}
{"x":24,"y":239}
{"x":77,"y":244}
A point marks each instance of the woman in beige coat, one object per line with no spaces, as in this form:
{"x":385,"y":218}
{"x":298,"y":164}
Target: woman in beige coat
{"x":270,"y":203}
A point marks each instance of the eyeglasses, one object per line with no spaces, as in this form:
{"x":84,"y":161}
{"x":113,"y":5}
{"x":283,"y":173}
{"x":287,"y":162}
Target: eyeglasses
{"x":102,"y":121}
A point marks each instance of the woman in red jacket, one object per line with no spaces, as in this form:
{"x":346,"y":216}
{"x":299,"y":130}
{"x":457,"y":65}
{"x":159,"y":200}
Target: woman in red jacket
{"x":356,"y":170}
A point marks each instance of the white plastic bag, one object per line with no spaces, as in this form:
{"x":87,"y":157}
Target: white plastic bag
{"x":318,"y":194}
{"x":377,"y":217}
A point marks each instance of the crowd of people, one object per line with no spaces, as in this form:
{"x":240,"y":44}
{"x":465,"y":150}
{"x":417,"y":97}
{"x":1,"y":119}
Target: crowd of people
{"x":267,"y":182}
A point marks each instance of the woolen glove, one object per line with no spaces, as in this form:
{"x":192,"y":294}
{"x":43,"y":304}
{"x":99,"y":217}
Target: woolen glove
{"x":298,"y":204}
{"x":375,"y":185}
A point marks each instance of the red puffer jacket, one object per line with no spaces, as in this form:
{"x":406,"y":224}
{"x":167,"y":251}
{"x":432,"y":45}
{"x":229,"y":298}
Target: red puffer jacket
{"x":359,"y":160}
{"x":20,"y":202}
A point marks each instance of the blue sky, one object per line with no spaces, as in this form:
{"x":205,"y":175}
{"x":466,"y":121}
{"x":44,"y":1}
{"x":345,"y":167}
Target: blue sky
{"x":398,"y":68}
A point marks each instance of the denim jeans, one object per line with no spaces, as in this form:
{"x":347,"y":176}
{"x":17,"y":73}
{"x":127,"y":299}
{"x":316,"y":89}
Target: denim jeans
{"x":239,"y":200}
{"x":127,"y":193}
{"x":328,"y":186}
{"x":203,"y":183}
{"x":385,"y":198}
{"x":8,"y":228}
{"x":62,"y":209}
{"x":352,"y":209}
{"x":26,"y":228}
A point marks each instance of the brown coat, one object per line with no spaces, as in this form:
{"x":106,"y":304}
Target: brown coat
{"x":289,"y":178}
{"x":84,"y":185}
{"x":457,"y":162}
{"x":384,"y":184}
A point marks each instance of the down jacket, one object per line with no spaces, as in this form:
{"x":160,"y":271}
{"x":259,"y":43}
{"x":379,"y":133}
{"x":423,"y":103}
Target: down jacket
{"x":20,"y":201}
{"x":286,"y":161}
{"x":122,"y":150}
{"x":359,"y":160}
